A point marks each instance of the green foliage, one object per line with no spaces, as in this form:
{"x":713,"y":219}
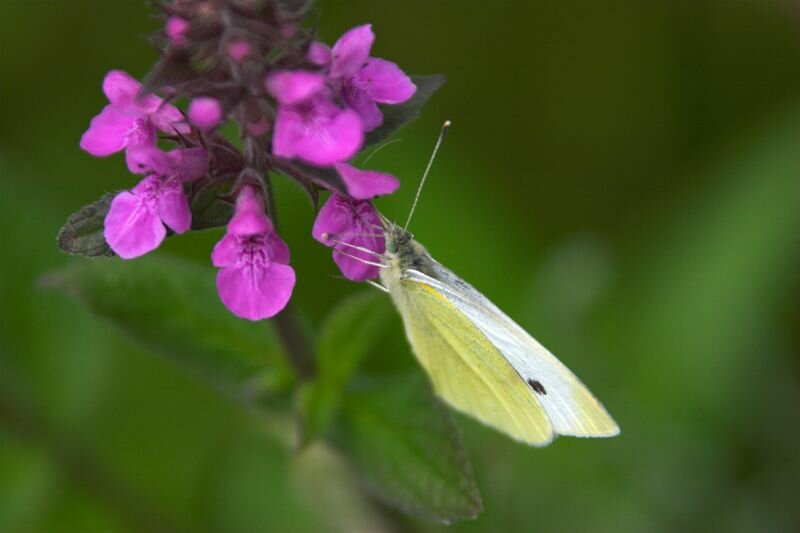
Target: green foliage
{"x":209,"y":210}
{"x":396,"y":116}
{"x":399,"y":437}
{"x":406,"y":446}
{"x":351,"y":331}
{"x":82,"y":233}
{"x":171,"y":306}
{"x":635,"y":207}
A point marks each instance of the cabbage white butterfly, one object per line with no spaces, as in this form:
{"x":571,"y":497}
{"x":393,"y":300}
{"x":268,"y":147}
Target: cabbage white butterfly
{"x":479,"y":360}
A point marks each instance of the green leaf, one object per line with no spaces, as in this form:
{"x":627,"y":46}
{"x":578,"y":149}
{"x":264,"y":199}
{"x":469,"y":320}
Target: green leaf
{"x":351,"y":330}
{"x":171,"y":305}
{"x":395,"y":116}
{"x":407,"y":449}
{"x":82,"y":234}
{"x":209,"y":210}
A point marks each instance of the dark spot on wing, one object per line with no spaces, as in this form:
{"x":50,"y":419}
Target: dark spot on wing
{"x":537,"y":386}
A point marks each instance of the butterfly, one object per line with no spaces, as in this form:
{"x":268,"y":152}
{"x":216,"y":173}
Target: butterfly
{"x":479,"y":360}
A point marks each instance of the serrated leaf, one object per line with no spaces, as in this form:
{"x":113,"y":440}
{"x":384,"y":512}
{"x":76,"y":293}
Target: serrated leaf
{"x":171,"y":306}
{"x":395,"y":116}
{"x":350,"y":332}
{"x":82,"y":234}
{"x":209,"y":210}
{"x":406,"y":448}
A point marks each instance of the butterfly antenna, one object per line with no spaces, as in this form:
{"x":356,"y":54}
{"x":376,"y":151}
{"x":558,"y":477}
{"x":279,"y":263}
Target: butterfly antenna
{"x":442,"y":133}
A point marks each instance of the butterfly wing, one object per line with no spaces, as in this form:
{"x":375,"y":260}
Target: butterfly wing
{"x":567,"y":405}
{"x":467,"y":371}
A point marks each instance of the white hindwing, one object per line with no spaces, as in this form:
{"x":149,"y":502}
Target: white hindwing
{"x":570,"y":407}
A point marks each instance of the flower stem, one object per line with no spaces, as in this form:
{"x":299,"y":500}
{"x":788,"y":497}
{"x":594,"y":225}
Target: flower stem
{"x":295,"y":343}
{"x":290,"y":332}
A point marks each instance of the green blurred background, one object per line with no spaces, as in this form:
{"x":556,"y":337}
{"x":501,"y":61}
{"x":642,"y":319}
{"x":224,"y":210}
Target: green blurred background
{"x":622,"y":177}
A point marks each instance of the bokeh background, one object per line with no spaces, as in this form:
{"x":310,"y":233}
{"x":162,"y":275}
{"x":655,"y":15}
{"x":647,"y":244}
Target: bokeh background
{"x":622,"y":177}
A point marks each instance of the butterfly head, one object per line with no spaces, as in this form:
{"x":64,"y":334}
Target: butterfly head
{"x":396,"y":237}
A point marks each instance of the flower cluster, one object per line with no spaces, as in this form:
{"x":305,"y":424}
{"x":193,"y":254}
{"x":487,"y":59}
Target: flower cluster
{"x":303,"y":108}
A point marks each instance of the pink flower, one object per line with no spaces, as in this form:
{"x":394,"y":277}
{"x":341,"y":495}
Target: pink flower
{"x":176,"y":29}
{"x":239,"y":49}
{"x":292,"y":87}
{"x":343,"y":223}
{"x":308,"y":125}
{"x":129,"y":121}
{"x":205,"y":112}
{"x":135,"y":221}
{"x":319,"y":53}
{"x":255,"y":280}
{"x":365,"y":81}
{"x":366,"y":184}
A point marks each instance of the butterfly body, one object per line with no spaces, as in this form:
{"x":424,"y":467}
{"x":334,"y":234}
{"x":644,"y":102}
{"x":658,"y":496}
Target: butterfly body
{"x":479,"y":360}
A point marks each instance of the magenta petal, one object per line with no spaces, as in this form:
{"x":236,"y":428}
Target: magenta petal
{"x":176,"y":29}
{"x":249,"y":223}
{"x":256,"y":292}
{"x":249,"y":218}
{"x":131,"y":229}
{"x":239,"y":49}
{"x":366,"y":184}
{"x":107,"y":132}
{"x":146,"y":160}
{"x":364,"y":105}
{"x":292,"y":87}
{"x":384,"y":82}
{"x":226,"y":251}
{"x":121,"y":89}
{"x":334,"y":218}
{"x":187,"y":163}
{"x":354,"y":222}
{"x":351,"y":51}
{"x":173,"y":207}
{"x":205,"y":112}
{"x":351,"y":268}
{"x":319,"y":53}
{"x":330,"y":141}
{"x":289,"y":128}
{"x":168,"y":118}
{"x":278,"y":250}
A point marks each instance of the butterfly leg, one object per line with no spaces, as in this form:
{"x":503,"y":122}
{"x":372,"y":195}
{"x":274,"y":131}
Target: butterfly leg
{"x":378,"y":286}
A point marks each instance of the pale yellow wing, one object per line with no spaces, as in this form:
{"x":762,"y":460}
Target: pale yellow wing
{"x":467,"y":371}
{"x":569,"y":407}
